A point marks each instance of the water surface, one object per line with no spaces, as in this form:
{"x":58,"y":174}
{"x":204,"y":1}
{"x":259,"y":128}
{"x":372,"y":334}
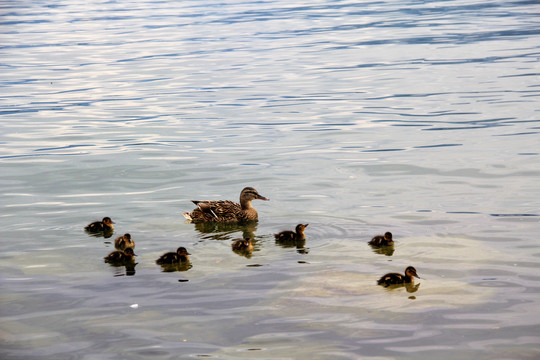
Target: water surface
{"x":419,"y":118}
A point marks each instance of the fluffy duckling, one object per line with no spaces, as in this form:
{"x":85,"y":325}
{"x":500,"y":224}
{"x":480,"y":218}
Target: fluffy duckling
{"x":289,"y":235}
{"x":381,"y":240}
{"x":242,"y":245}
{"x":120,"y":257}
{"x":181,"y":255}
{"x":226,"y":210}
{"x":396,"y":278}
{"x":123,"y":242}
{"x":98,"y":226}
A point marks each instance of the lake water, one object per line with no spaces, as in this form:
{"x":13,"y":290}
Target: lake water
{"x":358,"y":117}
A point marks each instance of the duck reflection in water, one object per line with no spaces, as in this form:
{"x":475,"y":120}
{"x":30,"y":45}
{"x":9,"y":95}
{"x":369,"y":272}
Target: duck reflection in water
{"x":383,"y":250}
{"x":175,"y":261}
{"x":291,"y":239}
{"x":243,"y":247}
{"x":120,"y":259}
{"x":223,"y":231}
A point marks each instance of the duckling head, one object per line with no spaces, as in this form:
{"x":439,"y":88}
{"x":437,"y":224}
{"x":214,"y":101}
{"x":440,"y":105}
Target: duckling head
{"x":411,"y":271}
{"x":127,"y":236}
{"x":182,"y":251}
{"x":388,"y":236}
{"x":107,"y":221}
{"x":300,"y":228}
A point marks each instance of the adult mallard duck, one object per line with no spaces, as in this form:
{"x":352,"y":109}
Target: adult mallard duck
{"x":123,"y":242}
{"x":226,"y":210}
{"x":396,"y":278}
{"x":181,"y":255}
{"x":242,"y":245}
{"x":104,"y":225}
{"x":288,"y":235}
{"x":381,"y":240}
{"x":120,"y":257}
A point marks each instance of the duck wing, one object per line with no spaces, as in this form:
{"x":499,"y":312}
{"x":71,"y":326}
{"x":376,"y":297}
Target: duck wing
{"x":220,"y":210}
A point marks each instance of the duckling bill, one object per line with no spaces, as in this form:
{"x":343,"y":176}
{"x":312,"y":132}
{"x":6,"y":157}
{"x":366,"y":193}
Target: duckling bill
{"x":181,"y":255}
{"x":105,"y":225}
{"x":396,"y":278}
{"x":381,"y":240}
{"x":226,"y":210}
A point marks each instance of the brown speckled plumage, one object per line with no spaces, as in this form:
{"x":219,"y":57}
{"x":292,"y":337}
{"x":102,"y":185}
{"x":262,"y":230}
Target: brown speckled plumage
{"x":226,"y":210}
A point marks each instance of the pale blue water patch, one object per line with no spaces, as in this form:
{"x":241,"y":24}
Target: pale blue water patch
{"x":419,"y":118}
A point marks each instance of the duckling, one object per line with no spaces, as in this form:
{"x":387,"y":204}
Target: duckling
{"x":288,"y":235}
{"x":100,"y":226}
{"x":120,"y":257}
{"x":226,"y":210}
{"x":124,"y":242}
{"x":396,"y":278}
{"x":242,"y":245}
{"x":381,"y":240}
{"x":181,"y":255}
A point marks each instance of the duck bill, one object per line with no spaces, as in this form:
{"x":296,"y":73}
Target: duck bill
{"x":260,"y":197}
{"x":306,"y":225}
{"x":416,"y":275}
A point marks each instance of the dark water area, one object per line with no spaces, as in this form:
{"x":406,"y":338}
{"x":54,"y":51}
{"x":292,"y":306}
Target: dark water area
{"x":417,"y":117}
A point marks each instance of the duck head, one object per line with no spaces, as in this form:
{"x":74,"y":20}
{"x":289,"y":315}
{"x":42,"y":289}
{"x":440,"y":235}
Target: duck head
{"x":388,"y":236}
{"x":249,"y":193}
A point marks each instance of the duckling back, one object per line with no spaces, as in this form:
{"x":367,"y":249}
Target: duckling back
{"x":120,"y":257}
{"x":381,"y":240}
{"x":242,"y":245}
{"x":105,"y":225}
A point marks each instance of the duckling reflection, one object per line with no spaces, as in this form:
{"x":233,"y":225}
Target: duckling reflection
{"x":399,"y":279}
{"x":123,"y":242}
{"x":120,"y":257}
{"x":127,"y":269}
{"x":103,"y":228}
{"x":175,"y":261}
{"x":290,"y":239}
{"x":243,"y":247}
{"x":383,"y":250}
{"x":226,"y":210}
